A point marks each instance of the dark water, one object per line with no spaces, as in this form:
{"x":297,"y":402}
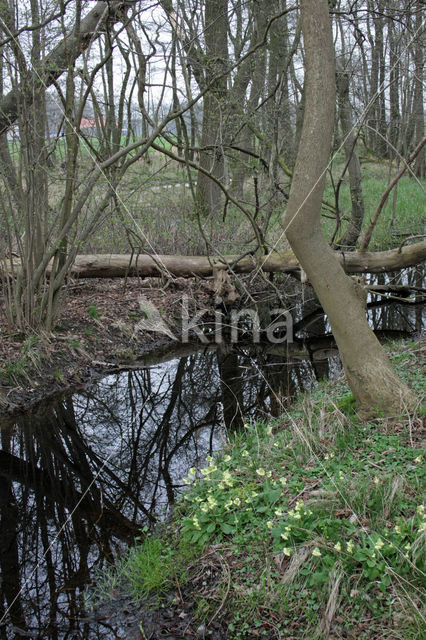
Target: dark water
{"x":84,"y":472}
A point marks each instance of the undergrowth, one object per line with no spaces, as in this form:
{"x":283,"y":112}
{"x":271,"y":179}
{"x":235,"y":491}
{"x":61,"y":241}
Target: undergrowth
{"x":315,"y":524}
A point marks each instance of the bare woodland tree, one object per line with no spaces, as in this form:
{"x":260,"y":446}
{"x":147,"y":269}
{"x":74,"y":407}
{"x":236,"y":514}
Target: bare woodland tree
{"x":138,"y":74}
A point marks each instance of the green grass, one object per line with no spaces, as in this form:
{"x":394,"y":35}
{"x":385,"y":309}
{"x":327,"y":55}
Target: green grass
{"x":156,"y":214}
{"x":410,"y":205}
{"x":316,"y":520}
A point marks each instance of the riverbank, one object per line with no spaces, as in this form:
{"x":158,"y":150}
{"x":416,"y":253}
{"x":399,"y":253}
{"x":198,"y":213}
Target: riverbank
{"x":312,"y":526}
{"x":105,"y":325}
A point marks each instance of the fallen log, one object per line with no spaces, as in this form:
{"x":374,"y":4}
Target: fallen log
{"x":121,"y":265}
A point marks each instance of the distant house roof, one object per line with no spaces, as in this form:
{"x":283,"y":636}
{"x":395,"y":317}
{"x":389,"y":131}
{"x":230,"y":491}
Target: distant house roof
{"x":90,"y":123}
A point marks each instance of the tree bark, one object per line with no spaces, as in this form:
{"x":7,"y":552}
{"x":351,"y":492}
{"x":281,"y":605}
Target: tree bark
{"x":375,"y":385}
{"x":419,"y":114}
{"x":119,"y":266}
{"x":209,"y":194}
{"x":354,"y":167}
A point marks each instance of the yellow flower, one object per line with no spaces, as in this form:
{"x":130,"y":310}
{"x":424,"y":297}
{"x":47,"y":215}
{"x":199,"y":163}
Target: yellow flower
{"x":407,"y":546}
{"x":260,"y":471}
{"x":245,"y":454}
{"x":269,"y":524}
{"x":397,"y":529}
{"x":196,"y":523}
{"x":338,"y":546}
{"x":287,"y":551}
{"x":276,"y":444}
{"x":294,"y":514}
{"x":420,"y":509}
{"x":350,"y":546}
{"x":227,"y":478}
{"x":376,"y":480}
{"x":269,"y":430}
{"x":284,"y":536}
{"x":212,"y":502}
{"x":418,"y":459}
{"x":316,"y":552}
{"x":227,"y":458}
{"x":192,"y":471}
{"x":237,"y":501}
{"x":187,"y":480}
{"x":269,"y":474}
{"x":209,"y":459}
{"x":246,"y":426}
{"x":283,"y":481}
{"x":379,"y":544}
{"x":422,"y":527}
{"x":299,"y":505}
{"x":278,"y":512}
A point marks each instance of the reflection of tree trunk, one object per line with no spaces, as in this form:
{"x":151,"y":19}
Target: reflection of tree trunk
{"x":9,"y":556}
{"x":316,"y":329}
{"x":281,"y":384}
{"x":231,"y":384}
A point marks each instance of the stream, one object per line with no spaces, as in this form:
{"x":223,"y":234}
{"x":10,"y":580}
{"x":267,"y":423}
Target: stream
{"x":83,"y":472}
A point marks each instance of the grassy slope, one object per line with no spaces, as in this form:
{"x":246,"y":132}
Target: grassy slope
{"x":409,"y":205}
{"x":316,"y":522}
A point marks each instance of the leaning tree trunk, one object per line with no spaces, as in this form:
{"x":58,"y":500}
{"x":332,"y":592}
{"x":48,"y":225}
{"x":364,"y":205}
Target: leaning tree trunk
{"x":376,"y":387}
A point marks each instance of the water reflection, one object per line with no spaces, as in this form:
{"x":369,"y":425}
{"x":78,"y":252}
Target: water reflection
{"x":83,"y":473}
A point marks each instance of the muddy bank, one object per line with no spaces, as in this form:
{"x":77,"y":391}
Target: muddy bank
{"x":100,"y":330}
{"x":106,"y":325}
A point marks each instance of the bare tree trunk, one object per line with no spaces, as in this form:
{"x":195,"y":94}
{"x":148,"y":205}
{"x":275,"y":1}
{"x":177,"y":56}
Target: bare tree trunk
{"x":375,"y":385}
{"x":354,"y":167}
{"x":208,"y":197}
{"x":419,"y":115}
{"x":395,"y":115}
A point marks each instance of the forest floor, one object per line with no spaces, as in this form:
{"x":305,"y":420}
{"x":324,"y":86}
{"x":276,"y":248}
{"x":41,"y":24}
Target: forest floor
{"x":308,"y":527}
{"x":104,"y":325}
